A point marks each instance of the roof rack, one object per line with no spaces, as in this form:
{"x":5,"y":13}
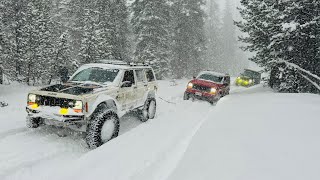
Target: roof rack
{"x":117,"y":62}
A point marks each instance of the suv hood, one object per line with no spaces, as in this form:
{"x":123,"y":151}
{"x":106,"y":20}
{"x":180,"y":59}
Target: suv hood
{"x":206,"y":83}
{"x":73,"y":89}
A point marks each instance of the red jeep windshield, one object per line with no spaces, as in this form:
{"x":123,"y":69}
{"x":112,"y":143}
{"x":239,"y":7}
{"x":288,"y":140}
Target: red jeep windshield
{"x":211,"y":77}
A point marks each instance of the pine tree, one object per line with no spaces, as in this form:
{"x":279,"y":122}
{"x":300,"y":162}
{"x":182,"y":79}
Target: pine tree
{"x":229,"y":43}
{"x":89,"y":50}
{"x":39,"y":42}
{"x":119,"y":30}
{"x":283,"y":32}
{"x":15,"y":18}
{"x":151,"y":19}
{"x":189,"y":37}
{"x":214,"y":37}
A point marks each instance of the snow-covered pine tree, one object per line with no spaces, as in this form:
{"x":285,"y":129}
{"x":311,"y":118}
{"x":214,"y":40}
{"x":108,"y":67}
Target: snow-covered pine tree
{"x":62,"y":57}
{"x":3,"y":51}
{"x":39,"y":41}
{"x":257,"y":25}
{"x":102,"y":29}
{"x":229,"y":43}
{"x":14,"y":21}
{"x":89,"y":45}
{"x":119,"y":30}
{"x":3,"y":44}
{"x":214,"y":37}
{"x":150,"y":21}
{"x":72,"y":13}
{"x":282,"y":32}
{"x":189,"y":37}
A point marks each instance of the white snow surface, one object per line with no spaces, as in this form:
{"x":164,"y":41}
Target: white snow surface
{"x":251,"y":134}
{"x":256,"y":135}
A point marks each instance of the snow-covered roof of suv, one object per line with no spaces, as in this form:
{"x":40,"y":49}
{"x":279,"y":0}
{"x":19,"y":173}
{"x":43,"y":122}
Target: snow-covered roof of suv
{"x":113,"y":66}
{"x":213,"y":73}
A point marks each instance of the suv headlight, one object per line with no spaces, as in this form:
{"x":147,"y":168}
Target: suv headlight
{"x":213,"y":91}
{"x":190,"y":85}
{"x":32,"y":101}
{"x":32,"y":98}
{"x":250,"y":81}
{"x":78,"y":106}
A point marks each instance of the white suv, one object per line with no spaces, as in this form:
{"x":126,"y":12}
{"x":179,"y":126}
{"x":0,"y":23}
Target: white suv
{"x":94,"y":99}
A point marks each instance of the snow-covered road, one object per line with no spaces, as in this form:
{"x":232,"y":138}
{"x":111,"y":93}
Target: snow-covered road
{"x":186,"y":140}
{"x":41,"y":153}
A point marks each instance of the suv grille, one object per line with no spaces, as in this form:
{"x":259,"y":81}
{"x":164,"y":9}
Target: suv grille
{"x":201,"y":88}
{"x":53,"y":101}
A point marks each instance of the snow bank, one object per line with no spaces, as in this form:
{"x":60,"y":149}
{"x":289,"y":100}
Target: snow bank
{"x":254,"y":135}
{"x":13,"y":115}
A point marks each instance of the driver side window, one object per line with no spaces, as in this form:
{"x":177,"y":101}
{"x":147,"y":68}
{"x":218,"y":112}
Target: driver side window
{"x":129,"y":76}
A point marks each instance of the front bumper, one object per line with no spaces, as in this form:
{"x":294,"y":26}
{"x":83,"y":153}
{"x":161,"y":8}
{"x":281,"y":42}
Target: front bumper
{"x":202,"y":95}
{"x":75,"y":122}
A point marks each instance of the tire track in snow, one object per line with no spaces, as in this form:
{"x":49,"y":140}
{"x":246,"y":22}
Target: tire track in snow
{"x":4,"y":173}
{"x":22,"y":151}
{"x":12,"y":132}
{"x":161,"y":167}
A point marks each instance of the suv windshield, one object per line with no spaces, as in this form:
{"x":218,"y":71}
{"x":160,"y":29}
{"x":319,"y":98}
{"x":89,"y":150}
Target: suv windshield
{"x":98,"y":75}
{"x":251,"y":74}
{"x":210,"y":77}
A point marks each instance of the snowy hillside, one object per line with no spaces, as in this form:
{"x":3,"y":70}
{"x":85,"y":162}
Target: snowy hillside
{"x":252,"y":134}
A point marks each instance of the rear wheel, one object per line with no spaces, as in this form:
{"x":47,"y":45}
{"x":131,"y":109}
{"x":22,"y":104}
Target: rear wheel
{"x":33,"y":122}
{"x":103,"y":127}
{"x":149,"y":110}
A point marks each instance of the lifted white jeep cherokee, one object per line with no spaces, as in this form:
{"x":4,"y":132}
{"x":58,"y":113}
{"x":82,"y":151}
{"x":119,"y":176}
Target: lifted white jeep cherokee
{"x":94,"y":99}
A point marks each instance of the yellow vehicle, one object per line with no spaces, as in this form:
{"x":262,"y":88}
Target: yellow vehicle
{"x":248,"y":78}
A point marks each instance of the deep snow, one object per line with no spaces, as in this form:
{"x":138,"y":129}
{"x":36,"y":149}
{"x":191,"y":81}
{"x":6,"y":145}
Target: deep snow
{"x":252,"y":134}
{"x":256,"y":134}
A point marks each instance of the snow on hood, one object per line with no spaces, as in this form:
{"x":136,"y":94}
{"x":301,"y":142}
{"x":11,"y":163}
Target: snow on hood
{"x":72,"y":88}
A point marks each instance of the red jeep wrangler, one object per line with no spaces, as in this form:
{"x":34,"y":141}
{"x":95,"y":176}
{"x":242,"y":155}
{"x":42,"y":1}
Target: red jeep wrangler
{"x":209,"y":86}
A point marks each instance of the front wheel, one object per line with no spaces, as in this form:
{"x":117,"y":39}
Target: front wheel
{"x":186,"y":96}
{"x":33,"y":122}
{"x":149,"y":110}
{"x":103,"y":127}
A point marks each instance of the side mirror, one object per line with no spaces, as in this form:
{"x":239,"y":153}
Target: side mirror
{"x":126,"y":84}
{"x":194,"y":77}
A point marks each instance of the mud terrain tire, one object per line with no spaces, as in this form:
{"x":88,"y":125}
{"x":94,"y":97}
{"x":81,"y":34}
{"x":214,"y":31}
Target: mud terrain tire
{"x":186,"y":96}
{"x":33,"y":122}
{"x":95,"y":136}
{"x":149,"y":110}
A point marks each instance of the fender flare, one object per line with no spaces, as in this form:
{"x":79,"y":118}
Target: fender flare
{"x":150,"y":94}
{"x":108,"y":100}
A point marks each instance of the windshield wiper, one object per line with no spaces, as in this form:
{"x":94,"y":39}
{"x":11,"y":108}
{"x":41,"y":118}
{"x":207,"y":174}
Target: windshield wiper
{"x":87,"y":82}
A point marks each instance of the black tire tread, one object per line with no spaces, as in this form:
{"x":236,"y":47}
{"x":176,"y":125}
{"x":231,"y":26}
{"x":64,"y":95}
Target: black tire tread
{"x":101,"y":115}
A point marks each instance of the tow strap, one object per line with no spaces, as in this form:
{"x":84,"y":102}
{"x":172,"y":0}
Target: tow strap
{"x":166,"y":101}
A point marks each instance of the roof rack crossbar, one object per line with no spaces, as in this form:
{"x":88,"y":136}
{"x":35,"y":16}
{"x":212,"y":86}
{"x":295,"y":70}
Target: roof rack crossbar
{"x":117,"y":62}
